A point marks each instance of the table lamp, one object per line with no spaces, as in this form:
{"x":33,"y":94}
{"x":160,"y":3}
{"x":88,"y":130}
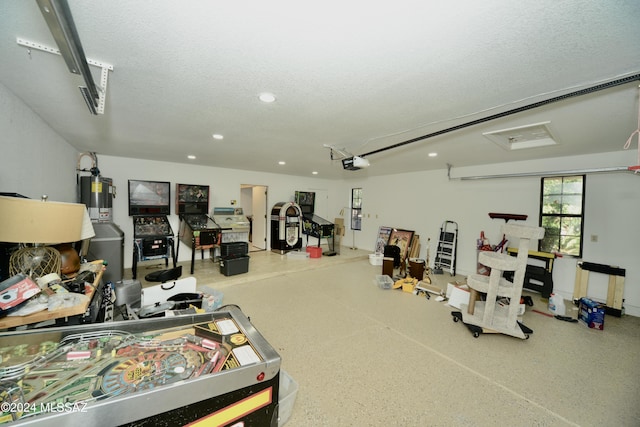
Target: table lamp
{"x":36,"y":224}
{"x":70,"y":257}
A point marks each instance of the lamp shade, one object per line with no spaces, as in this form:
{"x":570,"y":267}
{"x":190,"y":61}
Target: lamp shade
{"x":35,"y":221}
{"x":87,"y":227}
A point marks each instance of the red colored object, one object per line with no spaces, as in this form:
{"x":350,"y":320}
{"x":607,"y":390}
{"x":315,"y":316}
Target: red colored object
{"x":542,"y":312}
{"x":314,"y":251}
{"x":17,"y":290}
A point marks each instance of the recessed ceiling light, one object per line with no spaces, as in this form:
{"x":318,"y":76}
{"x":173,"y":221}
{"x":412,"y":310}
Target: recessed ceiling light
{"x":433,"y":154}
{"x":281,"y":162}
{"x":191,"y":157}
{"x":217,"y":136}
{"x":267,"y":97}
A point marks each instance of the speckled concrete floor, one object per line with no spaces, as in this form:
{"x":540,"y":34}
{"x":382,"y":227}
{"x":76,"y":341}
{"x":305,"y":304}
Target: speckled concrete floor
{"x":363,"y":356}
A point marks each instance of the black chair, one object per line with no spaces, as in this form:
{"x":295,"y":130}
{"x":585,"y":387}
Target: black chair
{"x":392,"y":251}
{"x":163,"y":276}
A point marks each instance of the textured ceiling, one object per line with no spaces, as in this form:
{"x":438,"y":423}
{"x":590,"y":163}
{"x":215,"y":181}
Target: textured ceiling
{"x":357,"y":75}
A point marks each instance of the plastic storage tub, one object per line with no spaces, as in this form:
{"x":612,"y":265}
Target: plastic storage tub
{"x":234,"y":249}
{"x":231,"y":266}
{"x":286,"y":397}
{"x":375,"y":259}
{"x":314,"y":251}
{"x":211,"y":298}
{"x":383,"y":281}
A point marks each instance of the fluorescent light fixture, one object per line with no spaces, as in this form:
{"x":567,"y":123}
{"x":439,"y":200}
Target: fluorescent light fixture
{"x":191,"y":157}
{"x":267,"y":97}
{"x":58,"y":17}
{"x":314,"y":173}
{"x":217,"y":136}
{"x":282,"y":162}
{"x":433,"y":154}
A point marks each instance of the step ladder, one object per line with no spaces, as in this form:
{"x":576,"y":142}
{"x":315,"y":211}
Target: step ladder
{"x":445,"y":258}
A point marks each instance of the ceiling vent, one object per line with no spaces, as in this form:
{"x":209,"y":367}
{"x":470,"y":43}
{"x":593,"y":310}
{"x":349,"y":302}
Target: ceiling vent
{"x":521,"y":137}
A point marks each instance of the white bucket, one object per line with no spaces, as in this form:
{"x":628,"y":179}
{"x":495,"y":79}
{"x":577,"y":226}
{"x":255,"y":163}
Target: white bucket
{"x":556,"y":305}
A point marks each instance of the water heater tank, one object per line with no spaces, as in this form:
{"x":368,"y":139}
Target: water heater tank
{"x":96,"y":192}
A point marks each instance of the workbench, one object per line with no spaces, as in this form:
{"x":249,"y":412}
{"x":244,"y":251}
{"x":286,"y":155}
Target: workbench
{"x":615,"y":288}
{"x":62,"y":313}
{"x":537,"y":273}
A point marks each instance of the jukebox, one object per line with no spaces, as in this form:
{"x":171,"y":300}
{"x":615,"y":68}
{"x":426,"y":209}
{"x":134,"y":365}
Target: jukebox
{"x":197,"y":230}
{"x":286,"y":223}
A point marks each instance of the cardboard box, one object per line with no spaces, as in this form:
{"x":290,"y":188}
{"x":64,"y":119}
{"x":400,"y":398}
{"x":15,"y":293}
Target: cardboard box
{"x":338,"y":227}
{"x":591,"y":313}
{"x":457,"y":295}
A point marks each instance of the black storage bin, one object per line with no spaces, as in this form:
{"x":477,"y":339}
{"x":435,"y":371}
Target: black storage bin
{"x":234,"y":249}
{"x":232,"y":265}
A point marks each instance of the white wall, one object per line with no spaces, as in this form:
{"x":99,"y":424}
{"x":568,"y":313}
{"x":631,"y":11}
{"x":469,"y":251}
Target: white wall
{"x":422,"y":201}
{"x":224,"y":187}
{"x":34,"y":160}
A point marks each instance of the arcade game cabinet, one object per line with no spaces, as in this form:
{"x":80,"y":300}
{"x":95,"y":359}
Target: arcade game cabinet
{"x":197,"y":230}
{"x":204,"y":369}
{"x":234,"y":224}
{"x":286,"y":224}
{"x":313,"y":225}
{"x":149,"y":205}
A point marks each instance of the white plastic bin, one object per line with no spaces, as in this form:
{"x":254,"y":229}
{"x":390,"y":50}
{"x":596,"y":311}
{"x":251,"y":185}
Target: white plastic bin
{"x":383,"y":281}
{"x":375,"y":259}
{"x":211,"y":298}
{"x":286,"y":397}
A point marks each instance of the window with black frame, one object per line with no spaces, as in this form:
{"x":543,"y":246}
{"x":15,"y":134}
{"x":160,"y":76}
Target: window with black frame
{"x":562,"y":214}
{"x":356,"y":208}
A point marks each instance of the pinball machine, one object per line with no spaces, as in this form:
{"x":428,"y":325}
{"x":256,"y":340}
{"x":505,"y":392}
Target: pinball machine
{"x":197,"y":229}
{"x":314,"y":225}
{"x":204,"y":369}
{"x":153,"y":238}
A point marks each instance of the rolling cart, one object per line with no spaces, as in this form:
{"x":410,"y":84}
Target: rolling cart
{"x":447,"y":245}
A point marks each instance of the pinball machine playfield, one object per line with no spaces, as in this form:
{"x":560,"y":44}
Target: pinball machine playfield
{"x":206,"y":369}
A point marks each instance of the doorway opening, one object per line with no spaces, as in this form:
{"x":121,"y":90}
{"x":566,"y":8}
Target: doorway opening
{"x":253,"y":200}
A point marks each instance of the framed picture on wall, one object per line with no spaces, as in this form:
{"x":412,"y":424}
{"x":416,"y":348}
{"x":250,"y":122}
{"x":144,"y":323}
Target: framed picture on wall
{"x":382,"y":239}
{"x":401,"y":239}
